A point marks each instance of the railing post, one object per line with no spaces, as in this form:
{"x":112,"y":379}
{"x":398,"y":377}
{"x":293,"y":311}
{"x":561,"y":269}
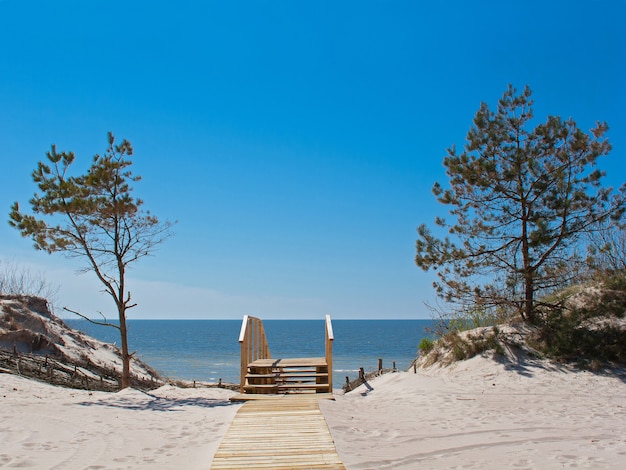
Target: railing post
{"x":244,"y":352}
{"x":257,"y":342}
{"x":253,"y":346}
{"x":329,"y":351}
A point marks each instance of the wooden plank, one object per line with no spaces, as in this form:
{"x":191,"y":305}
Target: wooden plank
{"x":287,"y":432}
{"x":296,"y":373}
{"x":251,"y":396}
{"x":290,"y":362}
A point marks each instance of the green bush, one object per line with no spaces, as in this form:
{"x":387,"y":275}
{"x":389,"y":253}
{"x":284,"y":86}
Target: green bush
{"x":570,"y":335}
{"x":617,"y":281}
{"x":471,"y":318}
{"x":426,"y":345}
{"x":472,"y":345}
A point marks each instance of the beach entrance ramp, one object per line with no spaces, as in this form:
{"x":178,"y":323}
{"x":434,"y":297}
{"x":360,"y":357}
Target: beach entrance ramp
{"x":278,"y":432}
{"x":280,"y":425}
{"x":262,"y":374}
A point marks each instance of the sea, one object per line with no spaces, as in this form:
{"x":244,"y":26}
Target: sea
{"x":208,"y":350}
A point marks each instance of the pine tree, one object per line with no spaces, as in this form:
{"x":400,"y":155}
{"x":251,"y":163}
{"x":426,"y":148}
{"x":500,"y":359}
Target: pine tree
{"x":94,"y":217}
{"x":521,"y":199}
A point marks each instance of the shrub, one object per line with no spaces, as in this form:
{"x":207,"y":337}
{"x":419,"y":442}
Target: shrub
{"x":617,"y":281}
{"x":578,"y":335}
{"x":469,"y":345}
{"x":426,"y":345}
{"x":466,"y":318}
{"x":19,"y":280}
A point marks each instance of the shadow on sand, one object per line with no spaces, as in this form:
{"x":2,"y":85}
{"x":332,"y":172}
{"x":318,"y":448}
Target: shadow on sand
{"x":520,"y":362}
{"x":143,"y":401}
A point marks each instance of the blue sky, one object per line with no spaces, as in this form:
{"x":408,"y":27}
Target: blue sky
{"x":296,"y":143}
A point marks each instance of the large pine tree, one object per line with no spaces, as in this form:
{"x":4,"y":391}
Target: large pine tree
{"x":520,"y":198}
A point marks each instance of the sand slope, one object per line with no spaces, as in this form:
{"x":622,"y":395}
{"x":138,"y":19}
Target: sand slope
{"x":48,"y":427}
{"x":479,"y":414}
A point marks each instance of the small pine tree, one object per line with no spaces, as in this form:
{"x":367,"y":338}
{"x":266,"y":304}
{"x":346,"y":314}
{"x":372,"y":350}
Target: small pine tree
{"x":94,"y":216}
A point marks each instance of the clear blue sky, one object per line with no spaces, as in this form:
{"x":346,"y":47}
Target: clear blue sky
{"x":296,"y":143}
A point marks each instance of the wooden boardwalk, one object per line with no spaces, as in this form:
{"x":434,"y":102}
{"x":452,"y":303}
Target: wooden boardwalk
{"x":278,"y":432}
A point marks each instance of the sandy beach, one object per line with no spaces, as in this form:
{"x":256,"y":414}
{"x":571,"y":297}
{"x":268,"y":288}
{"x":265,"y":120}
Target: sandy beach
{"x":48,"y":427}
{"x":478,"y":414}
{"x":475,"y":414}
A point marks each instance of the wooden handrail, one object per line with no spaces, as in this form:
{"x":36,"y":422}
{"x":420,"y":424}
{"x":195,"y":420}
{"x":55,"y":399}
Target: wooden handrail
{"x":329,"y":351}
{"x":253,"y":345}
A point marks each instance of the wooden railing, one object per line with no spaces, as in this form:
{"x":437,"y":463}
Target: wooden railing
{"x":253,"y":345}
{"x":329,"y":350}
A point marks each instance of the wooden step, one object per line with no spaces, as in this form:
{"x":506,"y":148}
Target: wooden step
{"x":267,"y":387}
{"x":279,"y":375}
{"x":311,"y":386}
{"x":290,"y":362}
{"x":261,"y":387}
{"x":302,"y":378}
{"x":287,"y":375}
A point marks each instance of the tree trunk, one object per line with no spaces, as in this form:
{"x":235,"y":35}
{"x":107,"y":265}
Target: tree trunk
{"x":125,"y":353}
{"x":529,"y":307}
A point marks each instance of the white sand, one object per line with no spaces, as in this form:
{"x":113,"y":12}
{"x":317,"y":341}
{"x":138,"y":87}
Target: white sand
{"x":47,"y":427}
{"x":476,"y":414}
{"x":482,"y":415}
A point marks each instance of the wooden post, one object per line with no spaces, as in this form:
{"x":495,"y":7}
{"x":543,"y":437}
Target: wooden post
{"x":253,"y":346}
{"x":330,"y":337}
{"x":380,"y":364}
{"x":394,"y":366}
{"x":243,"y":342}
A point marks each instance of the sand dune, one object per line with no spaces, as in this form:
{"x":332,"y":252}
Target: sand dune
{"x":483,"y":415}
{"x":475,"y":414}
{"x":48,"y":427}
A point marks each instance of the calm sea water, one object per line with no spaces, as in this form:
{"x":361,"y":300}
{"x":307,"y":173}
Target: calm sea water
{"x":207,"y":350}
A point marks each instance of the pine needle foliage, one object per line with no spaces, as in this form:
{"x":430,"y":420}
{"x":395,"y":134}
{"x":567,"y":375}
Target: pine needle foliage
{"x":520,"y":199}
{"x":93,"y":216}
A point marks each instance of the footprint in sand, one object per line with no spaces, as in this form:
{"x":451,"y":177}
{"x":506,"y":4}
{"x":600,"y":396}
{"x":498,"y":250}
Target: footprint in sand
{"x":19,"y":463}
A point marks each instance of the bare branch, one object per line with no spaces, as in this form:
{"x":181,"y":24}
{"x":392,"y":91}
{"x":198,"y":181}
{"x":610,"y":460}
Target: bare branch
{"x":95,"y":322}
